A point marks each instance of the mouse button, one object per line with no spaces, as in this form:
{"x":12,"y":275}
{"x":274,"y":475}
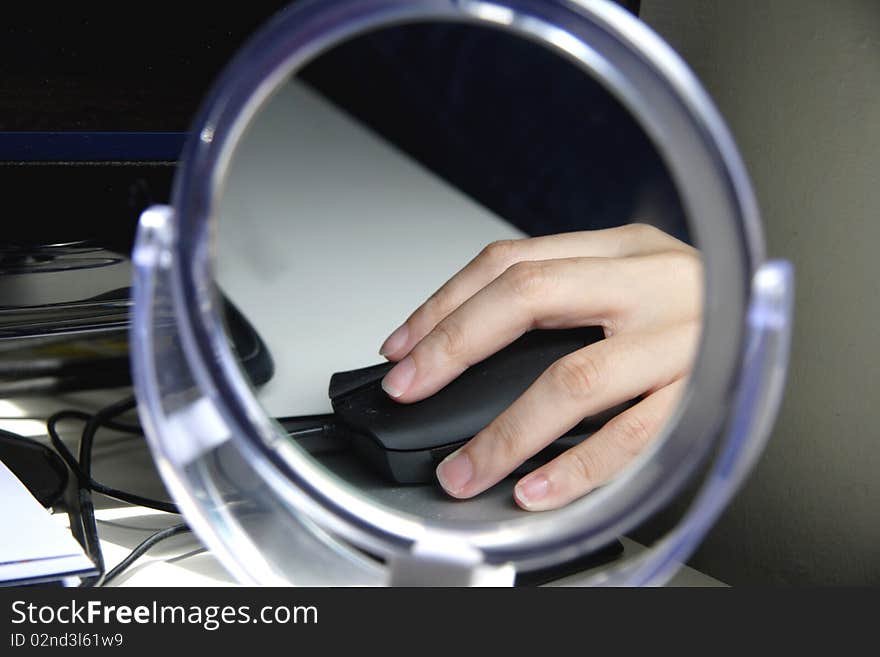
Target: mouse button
{"x":362,"y":407}
{"x":368,"y":410}
{"x":451,"y":414}
{"x":345,"y":383}
{"x":409,"y":431}
{"x":440,"y":453}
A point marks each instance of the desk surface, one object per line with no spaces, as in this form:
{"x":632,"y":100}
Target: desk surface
{"x":325,"y":253}
{"x":328,"y":238}
{"x":123,"y":461}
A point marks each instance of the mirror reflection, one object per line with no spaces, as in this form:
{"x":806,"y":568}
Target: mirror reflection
{"x":457,"y":269}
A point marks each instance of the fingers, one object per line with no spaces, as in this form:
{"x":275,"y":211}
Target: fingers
{"x":491,"y":262}
{"x":601,"y":456}
{"x":581,"y":384}
{"x":637,"y":293}
{"x":624,"y":241}
{"x":528,"y":294}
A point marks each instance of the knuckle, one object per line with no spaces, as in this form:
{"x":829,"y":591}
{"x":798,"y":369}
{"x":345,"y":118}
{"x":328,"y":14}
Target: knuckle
{"x":577,"y":376}
{"x":439,"y":304}
{"x":641,"y":231}
{"x":651,"y":238}
{"x":685,"y":263}
{"x":527,"y":280}
{"x":507,"y":439}
{"x":500,"y":251}
{"x":631,"y":433}
{"x":450,"y":339}
{"x":585,"y":465}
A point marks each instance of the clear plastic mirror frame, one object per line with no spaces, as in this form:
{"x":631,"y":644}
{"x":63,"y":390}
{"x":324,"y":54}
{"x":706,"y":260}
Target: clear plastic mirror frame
{"x":270,"y":513}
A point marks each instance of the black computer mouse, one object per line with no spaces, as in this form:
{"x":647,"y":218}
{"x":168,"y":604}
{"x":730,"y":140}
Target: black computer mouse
{"x":405,"y":442}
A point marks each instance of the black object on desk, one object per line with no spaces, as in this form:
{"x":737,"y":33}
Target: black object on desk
{"x":39,"y":468}
{"x":406,"y":442}
{"x":83,"y":345}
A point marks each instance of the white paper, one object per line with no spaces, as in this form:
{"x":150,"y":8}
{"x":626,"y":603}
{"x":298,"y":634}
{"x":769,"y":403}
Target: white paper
{"x":32,"y":544}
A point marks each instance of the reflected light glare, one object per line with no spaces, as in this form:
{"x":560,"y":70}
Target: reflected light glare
{"x":489,"y":12}
{"x":10,"y":412}
{"x":9,"y":409}
{"x":28,"y":428}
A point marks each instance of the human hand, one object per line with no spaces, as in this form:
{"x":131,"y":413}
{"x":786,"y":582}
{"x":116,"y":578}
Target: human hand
{"x":642,"y":286}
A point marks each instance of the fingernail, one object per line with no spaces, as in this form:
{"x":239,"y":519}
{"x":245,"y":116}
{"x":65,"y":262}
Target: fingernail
{"x":398,"y":380}
{"x":455,"y":472}
{"x":395,"y":341}
{"x":532,"y":490}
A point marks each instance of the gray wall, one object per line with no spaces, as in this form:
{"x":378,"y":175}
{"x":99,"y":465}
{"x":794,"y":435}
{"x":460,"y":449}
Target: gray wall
{"x":799,"y":84}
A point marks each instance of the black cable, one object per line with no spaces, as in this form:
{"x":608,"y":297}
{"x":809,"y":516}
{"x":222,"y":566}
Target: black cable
{"x":86,"y":530}
{"x":121,"y":427}
{"x":140,"y":550}
{"x":84,"y":525}
{"x":59,"y":445}
{"x":98,"y":419}
{"x":83,"y":477}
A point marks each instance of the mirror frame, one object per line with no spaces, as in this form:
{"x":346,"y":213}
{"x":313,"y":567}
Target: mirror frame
{"x":652,"y":82}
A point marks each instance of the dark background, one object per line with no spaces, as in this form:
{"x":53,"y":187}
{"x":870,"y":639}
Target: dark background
{"x":497,"y":117}
{"x":124,"y":67}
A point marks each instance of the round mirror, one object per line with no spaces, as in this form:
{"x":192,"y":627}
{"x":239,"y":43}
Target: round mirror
{"x":445,"y":283}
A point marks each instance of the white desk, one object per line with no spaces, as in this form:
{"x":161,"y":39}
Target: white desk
{"x":328,"y":239}
{"x":125,"y":462}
